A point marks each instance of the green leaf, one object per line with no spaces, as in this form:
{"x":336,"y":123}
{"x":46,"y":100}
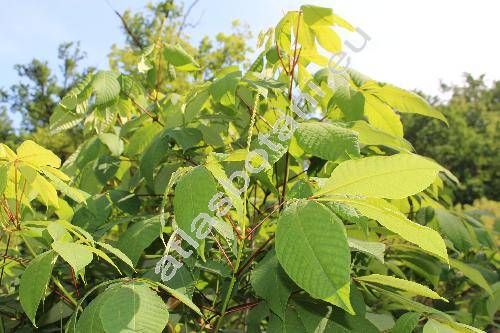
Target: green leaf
{"x":381,"y":116}
{"x":375,"y":249}
{"x":4,"y":168}
{"x":185,"y":137}
{"x":75,"y":194}
{"x":369,"y":135}
{"x":402,"y":100}
{"x":311,"y":246}
{"x":89,"y":321}
{"x":77,"y":255}
{"x":34,"y":282}
{"x":142,"y":138}
{"x":472,"y":274}
{"x":349,"y":100}
{"x":328,"y":39}
{"x":195,"y":105}
{"x":409,"y":286}
{"x":177,"y":56}
{"x":133,"y":308}
{"x":62,"y":120}
{"x":315,"y":15}
{"x":406,"y":323}
{"x":113,"y":142}
{"x":327,"y":141}
{"x":181,"y":297}
{"x":220,"y":175}
{"x":453,"y":228}
{"x":272,"y":284}
{"x":106,"y":87}
{"x":138,"y":236}
{"x":388,"y":215}
{"x":192,"y":195}
{"x":434,"y":326}
{"x":223,"y":90}
{"x":272,"y":145}
{"x":392,"y":177}
{"x":342,"y":299}
{"x":125,"y":201}
{"x":119,"y":254}
{"x":153,"y":154}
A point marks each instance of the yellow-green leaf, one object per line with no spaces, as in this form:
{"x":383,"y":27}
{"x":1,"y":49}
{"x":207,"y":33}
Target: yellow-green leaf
{"x":392,"y":177}
{"x":32,"y":153}
{"x":387,"y":215}
{"x":328,"y":39}
{"x":409,"y":286}
{"x":77,"y":255}
{"x":381,"y":116}
{"x":402,"y":100}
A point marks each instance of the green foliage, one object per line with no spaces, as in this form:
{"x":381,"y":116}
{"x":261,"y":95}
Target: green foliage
{"x":468,"y":146}
{"x":325,"y":220}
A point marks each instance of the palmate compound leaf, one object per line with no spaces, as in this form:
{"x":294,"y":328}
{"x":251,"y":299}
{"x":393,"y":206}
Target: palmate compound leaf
{"x":408,"y":286}
{"x":391,"y":177}
{"x":391,"y":218}
{"x":311,"y":245}
{"x":34,"y":282}
{"x":327,"y":141}
{"x":272,"y":284}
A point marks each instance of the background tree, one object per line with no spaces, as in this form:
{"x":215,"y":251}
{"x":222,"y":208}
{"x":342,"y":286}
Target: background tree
{"x":469,"y":145}
{"x":167,"y":21}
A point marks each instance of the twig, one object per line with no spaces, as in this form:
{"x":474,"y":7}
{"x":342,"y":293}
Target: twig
{"x":22,"y":261}
{"x":184,"y":19}
{"x":250,"y":110}
{"x":290,"y":91}
{"x":281,"y":58}
{"x":234,"y":226}
{"x":242,"y":307}
{"x":158,"y":67}
{"x":4,"y":257}
{"x":254,"y":255}
{"x":264,"y":220}
{"x":223,"y":251}
{"x":75,"y":284}
{"x":146,"y":112}
{"x":135,"y":39}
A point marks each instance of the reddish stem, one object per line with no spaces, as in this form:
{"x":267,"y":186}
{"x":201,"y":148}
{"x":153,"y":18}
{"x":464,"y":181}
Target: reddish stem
{"x":254,"y":255}
{"x":223,"y":251}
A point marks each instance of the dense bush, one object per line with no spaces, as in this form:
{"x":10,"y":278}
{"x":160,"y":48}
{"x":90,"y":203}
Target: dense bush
{"x":273,"y":199}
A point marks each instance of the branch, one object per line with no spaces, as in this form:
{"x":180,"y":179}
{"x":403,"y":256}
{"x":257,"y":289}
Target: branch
{"x":186,"y":15}
{"x":134,"y":38}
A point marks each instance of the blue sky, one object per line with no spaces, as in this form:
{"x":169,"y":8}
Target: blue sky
{"x":414,"y":44}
